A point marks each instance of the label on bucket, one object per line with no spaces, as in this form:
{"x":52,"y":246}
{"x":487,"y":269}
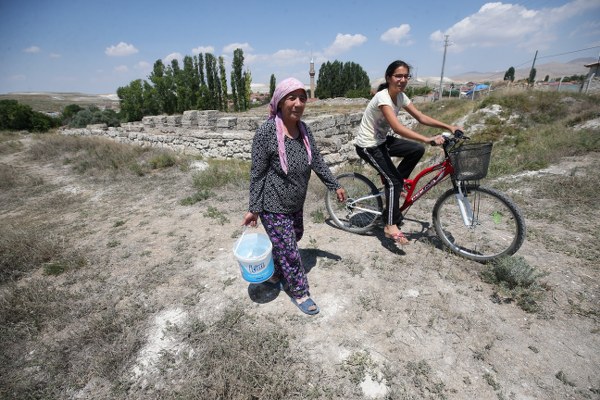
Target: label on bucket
{"x":253,"y":252}
{"x":256,"y":273}
{"x":255,"y":269}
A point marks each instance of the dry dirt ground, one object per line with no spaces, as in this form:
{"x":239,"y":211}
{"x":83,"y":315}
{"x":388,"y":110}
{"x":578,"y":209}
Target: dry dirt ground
{"x":424,"y":313}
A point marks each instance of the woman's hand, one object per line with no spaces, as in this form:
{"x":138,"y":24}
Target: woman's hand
{"x":341,"y":194}
{"x":250,"y":219}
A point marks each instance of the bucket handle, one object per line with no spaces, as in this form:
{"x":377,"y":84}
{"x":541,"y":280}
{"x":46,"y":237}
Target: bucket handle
{"x":240,"y":239}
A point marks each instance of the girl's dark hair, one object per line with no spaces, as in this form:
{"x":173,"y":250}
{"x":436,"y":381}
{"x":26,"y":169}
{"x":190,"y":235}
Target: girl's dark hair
{"x":390,"y":71}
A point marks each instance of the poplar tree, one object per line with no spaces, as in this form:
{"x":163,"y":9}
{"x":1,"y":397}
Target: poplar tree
{"x":211,"y":82}
{"x":223,"y":77}
{"x":272,"y":85}
{"x":203,"y":102}
{"x":165,"y":98}
{"x":247,"y":89}
{"x":337,"y":79}
{"x":237,"y":80}
{"x":234,"y":93}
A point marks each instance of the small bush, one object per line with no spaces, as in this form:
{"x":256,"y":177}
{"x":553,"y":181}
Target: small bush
{"x":516,"y":281}
{"x":197,"y":197}
{"x":318,"y":216}
{"x":221,"y":173}
{"x":214,"y":213}
{"x":163,"y":160}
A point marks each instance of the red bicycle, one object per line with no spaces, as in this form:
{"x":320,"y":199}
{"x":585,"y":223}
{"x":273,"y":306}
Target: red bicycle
{"x":473,"y":221}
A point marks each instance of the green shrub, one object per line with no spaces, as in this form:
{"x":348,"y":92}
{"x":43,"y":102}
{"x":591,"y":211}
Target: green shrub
{"x":221,"y":173}
{"x":516,"y":281}
{"x":15,"y":116}
{"x":163,"y":160}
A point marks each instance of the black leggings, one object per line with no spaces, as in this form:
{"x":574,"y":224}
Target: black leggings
{"x":380,"y":158}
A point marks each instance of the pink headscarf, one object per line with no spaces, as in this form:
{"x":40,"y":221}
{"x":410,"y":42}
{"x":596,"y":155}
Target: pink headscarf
{"x":283,"y":89}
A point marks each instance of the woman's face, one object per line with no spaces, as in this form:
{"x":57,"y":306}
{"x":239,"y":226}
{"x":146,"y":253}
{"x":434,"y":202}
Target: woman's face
{"x":292,"y":105}
{"x":399,"y":79}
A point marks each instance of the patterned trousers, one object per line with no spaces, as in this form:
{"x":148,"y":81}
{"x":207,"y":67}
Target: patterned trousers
{"x":285,"y":231}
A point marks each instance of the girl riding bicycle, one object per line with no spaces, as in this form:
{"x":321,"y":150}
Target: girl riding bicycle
{"x":375,"y":146}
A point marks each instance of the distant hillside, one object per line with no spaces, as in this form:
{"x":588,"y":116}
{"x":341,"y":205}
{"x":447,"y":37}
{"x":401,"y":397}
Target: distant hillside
{"x":56,"y":102}
{"x":554,"y":70}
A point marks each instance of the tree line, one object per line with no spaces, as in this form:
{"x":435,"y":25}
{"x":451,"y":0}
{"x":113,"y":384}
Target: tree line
{"x":200,"y":84}
{"x":339,"y":79}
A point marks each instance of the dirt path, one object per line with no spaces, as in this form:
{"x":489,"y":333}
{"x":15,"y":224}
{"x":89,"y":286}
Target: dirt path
{"x":420,"y":316}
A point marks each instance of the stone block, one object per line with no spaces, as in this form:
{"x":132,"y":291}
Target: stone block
{"x":174,"y":120}
{"x":227,"y":122}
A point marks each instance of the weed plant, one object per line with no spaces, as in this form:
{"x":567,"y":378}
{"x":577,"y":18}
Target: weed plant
{"x":214,"y":213}
{"x":517,"y":281}
{"x":219,"y":174}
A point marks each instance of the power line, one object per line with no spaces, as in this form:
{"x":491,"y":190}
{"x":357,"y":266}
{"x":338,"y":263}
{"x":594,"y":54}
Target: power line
{"x":552,"y":55}
{"x":571,"y":52}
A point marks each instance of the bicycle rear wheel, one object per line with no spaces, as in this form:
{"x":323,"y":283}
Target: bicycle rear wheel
{"x":362,"y":208}
{"x":497,"y":228}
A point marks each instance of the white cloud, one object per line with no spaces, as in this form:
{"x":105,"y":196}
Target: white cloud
{"x":120,"y":50}
{"x":498,"y":23}
{"x":344,"y":42}
{"x":32,"y":49}
{"x":203,"y":49}
{"x":171,"y":57}
{"x":289,"y":57}
{"x":54,"y":55}
{"x":397,"y":35}
{"x":121,"y":69}
{"x":143,"y":66}
{"x":231,"y":47}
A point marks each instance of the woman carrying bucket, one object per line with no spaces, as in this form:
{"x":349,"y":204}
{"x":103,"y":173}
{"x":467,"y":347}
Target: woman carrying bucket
{"x":284,"y":153}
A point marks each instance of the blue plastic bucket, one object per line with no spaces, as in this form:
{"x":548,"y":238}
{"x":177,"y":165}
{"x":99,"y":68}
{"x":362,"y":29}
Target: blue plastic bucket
{"x":253,"y":253}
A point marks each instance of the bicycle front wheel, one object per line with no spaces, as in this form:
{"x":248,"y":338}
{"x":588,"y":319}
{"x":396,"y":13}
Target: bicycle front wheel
{"x":494,"y":226}
{"x":362,"y":208}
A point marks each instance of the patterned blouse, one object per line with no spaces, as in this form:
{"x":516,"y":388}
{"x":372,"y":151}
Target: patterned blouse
{"x":270,"y":188}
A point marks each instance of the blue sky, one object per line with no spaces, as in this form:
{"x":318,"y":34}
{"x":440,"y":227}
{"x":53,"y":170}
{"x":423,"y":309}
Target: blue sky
{"x":96,"y":46}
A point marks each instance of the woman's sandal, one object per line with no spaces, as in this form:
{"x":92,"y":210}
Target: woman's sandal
{"x":398,"y":237}
{"x":307,"y":306}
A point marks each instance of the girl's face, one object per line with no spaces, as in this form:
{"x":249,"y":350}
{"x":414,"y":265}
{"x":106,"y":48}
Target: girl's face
{"x":399,"y":79}
{"x":292,"y":105}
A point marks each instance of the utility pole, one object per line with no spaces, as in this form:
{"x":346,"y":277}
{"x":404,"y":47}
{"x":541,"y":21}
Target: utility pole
{"x":311,"y":73}
{"x":532,"y":68}
{"x":443,"y":64}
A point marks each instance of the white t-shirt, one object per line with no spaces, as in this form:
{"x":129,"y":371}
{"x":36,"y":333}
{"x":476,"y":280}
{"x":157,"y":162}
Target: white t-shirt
{"x":374,"y":128}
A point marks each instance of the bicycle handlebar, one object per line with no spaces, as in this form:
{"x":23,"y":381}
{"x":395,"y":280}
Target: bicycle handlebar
{"x":451,"y":137}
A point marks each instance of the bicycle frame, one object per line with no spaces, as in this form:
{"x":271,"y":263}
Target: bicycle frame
{"x":445,"y":169}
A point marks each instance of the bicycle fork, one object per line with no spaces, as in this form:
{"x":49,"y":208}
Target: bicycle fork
{"x":464,"y":206}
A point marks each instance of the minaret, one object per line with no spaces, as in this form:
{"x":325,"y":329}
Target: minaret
{"x":312,"y":78}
